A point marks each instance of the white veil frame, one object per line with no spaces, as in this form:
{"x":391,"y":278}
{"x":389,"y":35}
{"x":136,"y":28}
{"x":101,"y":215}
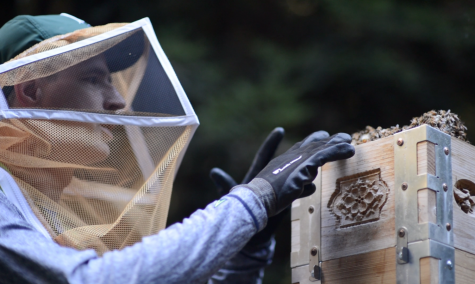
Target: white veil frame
{"x":189,"y":118}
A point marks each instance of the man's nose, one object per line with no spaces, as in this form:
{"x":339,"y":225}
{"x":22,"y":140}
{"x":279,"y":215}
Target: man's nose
{"x":113,"y":100}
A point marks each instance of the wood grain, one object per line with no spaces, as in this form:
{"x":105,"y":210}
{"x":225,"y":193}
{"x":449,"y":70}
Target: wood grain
{"x":429,"y":269}
{"x":338,"y":242}
{"x":426,"y":158}
{"x":374,"y":267}
{"x":380,"y":267}
{"x":464,"y":267}
{"x":427,"y":205}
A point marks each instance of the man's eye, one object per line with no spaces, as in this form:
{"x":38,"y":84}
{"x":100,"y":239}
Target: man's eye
{"x":93,"y":80}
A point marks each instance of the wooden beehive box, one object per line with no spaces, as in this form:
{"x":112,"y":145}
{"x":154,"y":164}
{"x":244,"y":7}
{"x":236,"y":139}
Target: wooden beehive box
{"x":388,"y":214}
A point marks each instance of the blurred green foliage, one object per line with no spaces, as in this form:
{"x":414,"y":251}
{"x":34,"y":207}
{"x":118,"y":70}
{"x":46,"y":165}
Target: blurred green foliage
{"x":339,"y":65}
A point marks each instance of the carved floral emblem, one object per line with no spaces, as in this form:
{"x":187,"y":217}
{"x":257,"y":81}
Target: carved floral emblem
{"x":359,"y":199}
{"x":464,"y":190}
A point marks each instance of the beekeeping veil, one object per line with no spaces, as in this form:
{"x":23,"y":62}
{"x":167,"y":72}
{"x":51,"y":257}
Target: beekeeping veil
{"x":85,"y":168}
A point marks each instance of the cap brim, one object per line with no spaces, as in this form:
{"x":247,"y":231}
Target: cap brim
{"x":121,"y":56}
{"x":126,"y":53}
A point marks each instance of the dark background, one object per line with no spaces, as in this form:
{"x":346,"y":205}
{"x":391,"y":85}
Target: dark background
{"x":339,"y":65}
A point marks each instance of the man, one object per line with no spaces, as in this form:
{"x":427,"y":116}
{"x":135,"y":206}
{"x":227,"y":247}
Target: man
{"x":94,"y":166}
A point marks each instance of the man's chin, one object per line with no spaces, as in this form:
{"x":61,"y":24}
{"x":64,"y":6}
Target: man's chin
{"x":77,"y":143}
{"x":84,"y":155}
{"x":97,"y":154}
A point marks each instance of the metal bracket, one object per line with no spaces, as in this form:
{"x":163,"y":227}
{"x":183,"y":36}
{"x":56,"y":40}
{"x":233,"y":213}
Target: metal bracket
{"x":407,"y":184}
{"x":411,"y":272}
{"x":315,"y":233}
{"x":300,"y":275}
{"x":402,"y":251}
{"x":405,"y":166}
{"x":306,"y":212}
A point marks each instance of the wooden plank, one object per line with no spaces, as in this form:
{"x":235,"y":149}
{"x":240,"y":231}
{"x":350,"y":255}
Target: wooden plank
{"x":364,"y":237}
{"x":380,"y":267}
{"x":429,"y":269}
{"x":464,"y":267}
{"x":427,"y":205}
{"x":374,"y":267}
{"x":463,"y":167}
{"x":426,"y":158}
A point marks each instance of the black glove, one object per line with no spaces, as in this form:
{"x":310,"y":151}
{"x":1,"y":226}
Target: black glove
{"x":225,"y":182}
{"x":290,"y":175}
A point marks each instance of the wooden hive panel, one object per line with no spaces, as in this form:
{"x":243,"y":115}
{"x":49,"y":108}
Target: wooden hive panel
{"x":363,"y":250}
{"x":366,"y":235}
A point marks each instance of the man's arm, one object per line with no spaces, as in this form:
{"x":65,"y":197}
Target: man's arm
{"x":247,"y":266}
{"x":187,"y":252}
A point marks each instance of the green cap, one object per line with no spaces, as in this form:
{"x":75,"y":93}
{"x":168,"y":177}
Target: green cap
{"x":22,"y":32}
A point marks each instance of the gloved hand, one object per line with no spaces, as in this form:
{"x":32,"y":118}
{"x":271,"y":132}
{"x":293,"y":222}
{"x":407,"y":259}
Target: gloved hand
{"x":290,"y":175}
{"x":225,"y":182}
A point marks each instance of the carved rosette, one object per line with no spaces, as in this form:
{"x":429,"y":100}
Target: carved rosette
{"x":359,"y":199}
{"x":464,"y":194}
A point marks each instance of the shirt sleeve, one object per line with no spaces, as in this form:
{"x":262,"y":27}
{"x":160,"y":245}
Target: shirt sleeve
{"x":187,"y":252}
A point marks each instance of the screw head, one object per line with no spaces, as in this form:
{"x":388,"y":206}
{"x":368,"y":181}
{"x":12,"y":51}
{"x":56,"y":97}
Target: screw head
{"x":449,"y":264}
{"x":400,"y":142}
{"x":445,"y":187}
{"x":404,"y":186}
{"x":314,"y":251}
{"x":311,"y":209}
{"x":446,"y":150}
{"x":448,"y":226}
{"x":401,"y":233}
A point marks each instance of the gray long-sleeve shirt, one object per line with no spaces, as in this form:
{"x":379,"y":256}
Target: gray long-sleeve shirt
{"x":189,"y":252}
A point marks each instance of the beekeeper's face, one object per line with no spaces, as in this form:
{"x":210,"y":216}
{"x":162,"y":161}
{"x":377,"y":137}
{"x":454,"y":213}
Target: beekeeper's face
{"x":86,"y":86}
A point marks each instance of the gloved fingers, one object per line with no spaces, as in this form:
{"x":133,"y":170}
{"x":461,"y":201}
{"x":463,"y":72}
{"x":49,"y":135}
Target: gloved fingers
{"x":310,"y":172}
{"x":314,"y":137}
{"x":339,"y":138}
{"x":332,"y":140}
{"x":308,"y":190}
{"x":264,"y":154}
{"x":222,"y":181}
{"x":332,"y":153}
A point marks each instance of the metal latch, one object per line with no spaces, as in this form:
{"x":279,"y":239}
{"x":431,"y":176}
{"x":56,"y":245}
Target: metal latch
{"x":317,"y":273}
{"x":314,"y":265}
{"x":402,"y":252}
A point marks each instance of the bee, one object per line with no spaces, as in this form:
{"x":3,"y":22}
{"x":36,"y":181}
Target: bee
{"x":445,"y":121}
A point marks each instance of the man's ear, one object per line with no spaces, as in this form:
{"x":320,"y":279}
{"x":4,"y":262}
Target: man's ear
{"x":28,"y":94}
